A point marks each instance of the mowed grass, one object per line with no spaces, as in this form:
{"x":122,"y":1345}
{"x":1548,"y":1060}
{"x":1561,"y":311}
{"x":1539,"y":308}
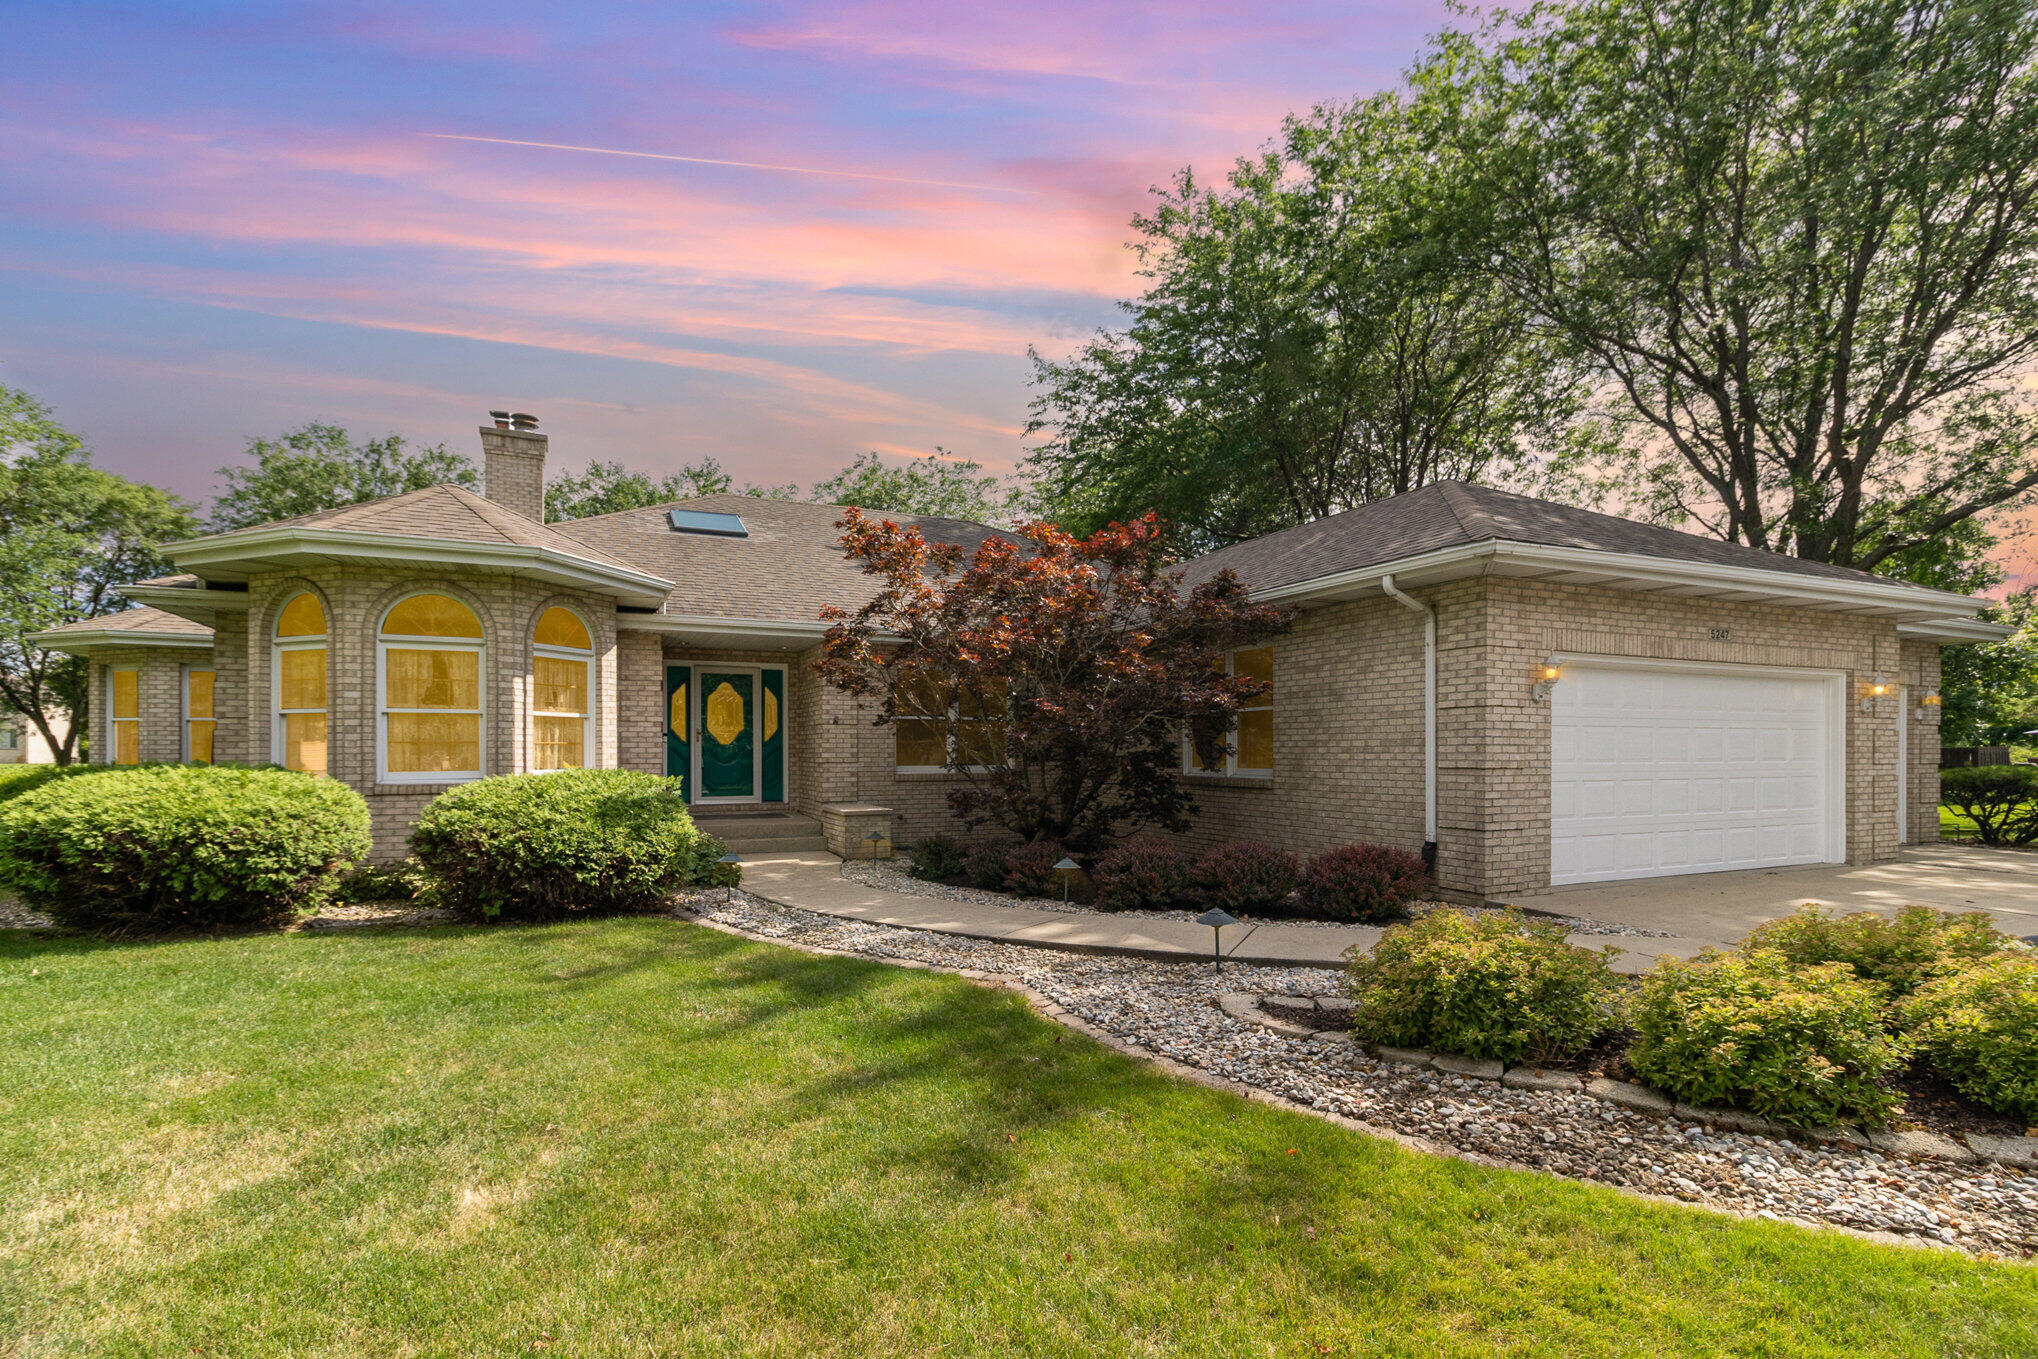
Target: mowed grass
{"x":639,"y":1137}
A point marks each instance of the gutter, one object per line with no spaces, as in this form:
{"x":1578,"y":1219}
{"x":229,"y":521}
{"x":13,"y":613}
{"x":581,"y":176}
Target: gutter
{"x":1429,"y":716}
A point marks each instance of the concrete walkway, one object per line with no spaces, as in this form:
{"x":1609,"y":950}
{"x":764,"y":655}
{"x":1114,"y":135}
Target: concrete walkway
{"x":1724,"y":906}
{"x":814,"y":882}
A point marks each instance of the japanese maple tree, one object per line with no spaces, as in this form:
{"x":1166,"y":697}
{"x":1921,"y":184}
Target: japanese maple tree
{"x":1052,"y":675}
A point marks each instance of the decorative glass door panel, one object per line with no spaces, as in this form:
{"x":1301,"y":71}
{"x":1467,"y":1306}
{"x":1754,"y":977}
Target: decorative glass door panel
{"x":728,"y":735}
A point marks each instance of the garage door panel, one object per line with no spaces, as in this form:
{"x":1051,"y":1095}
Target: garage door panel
{"x":1670,"y":771}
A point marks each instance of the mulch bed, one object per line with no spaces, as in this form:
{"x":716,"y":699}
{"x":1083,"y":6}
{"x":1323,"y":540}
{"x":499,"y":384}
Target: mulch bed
{"x":1928,"y":1101}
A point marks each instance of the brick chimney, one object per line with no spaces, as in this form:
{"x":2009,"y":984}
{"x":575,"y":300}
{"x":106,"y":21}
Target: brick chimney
{"x":513,"y":463}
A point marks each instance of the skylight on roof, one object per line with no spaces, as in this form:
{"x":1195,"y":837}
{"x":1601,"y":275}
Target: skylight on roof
{"x":700,"y":521}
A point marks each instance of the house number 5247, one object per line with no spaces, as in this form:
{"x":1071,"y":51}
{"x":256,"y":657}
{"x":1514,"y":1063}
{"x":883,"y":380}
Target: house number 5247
{"x":1719,"y":634}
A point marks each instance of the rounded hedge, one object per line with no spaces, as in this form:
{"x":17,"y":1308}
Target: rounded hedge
{"x":984,"y":865}
{"x":938,"y":858}
{"x":1803,"y":1045}
{"x":1030,"y":869}
{"x":573,"y":842}
{"x":1493,"y":986}
{"x":1144,"y":875}
{"x":1901,"y":952}
{"x":1371,"y":884}
{"x":150,"y":849}
{"x":1246,"y":875}
{"x":1979,"y":1028}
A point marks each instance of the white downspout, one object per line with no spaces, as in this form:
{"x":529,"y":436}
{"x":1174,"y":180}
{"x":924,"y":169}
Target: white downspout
{"x":1429,"y":715}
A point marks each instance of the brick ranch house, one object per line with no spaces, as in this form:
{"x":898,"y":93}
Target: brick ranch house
{"x":1532,"y":694}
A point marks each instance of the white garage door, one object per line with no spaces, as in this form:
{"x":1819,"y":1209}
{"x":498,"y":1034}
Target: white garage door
{"x":1660,"y":771}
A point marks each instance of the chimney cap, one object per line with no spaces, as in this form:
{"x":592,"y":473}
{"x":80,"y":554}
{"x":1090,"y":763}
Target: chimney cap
{"x":501,"y":418}
{"x":523,"y":420}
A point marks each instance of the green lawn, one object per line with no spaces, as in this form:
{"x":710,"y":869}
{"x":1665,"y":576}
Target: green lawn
{"x":643,"y":1138}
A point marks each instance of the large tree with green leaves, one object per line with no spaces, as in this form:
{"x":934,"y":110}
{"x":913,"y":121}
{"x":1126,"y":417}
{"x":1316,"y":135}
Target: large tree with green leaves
{"x":608,"y":487}
{"x":951,"y":488}
{"x":1797,"y":242}
{"x":70,"y":534}
{"x":321,"y":467}
{"x":1315,"y":333}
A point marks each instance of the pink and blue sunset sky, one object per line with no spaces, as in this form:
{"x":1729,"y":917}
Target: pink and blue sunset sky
{"x":223,"y":220}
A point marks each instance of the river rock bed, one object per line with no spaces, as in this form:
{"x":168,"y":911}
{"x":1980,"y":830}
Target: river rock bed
{"x":1171,"y":1009}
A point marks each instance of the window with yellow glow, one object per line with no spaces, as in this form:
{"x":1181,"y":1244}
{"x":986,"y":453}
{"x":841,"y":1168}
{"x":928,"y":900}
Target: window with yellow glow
{"x":198,"y":720}
{"x":124,"y":708}
{"x":932,"y":719}
{"x":562,"y":654}
{"x":429,"y":718}
{"x":1251,"y":735}
{"x":299,"y":685}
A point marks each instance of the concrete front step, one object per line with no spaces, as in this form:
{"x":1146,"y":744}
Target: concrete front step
{"x":753,"y":832}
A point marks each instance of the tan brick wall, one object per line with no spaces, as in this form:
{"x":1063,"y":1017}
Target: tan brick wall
{"x":1348,"y":720}
{"x":159,"y":699}
{"x":356,"y":597}
{"x":1919,"y":673}
{"x":1507,"y":815}
{"x":640,"y":702}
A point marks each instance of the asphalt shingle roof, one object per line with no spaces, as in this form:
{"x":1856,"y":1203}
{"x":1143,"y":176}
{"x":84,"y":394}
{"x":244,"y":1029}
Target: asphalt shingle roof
{"x":452,"y":513}
{"x":1456,"y":514}
{"x":785,"y":570}
{"x":142,"y":620}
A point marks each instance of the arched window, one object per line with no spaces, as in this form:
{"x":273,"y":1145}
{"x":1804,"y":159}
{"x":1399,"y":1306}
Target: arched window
{"x":429,"y":723}
{"x":299,"y":684}
{"x":562,"y":656}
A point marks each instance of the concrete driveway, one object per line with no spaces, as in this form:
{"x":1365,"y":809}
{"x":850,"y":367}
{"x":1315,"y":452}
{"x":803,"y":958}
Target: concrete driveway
{"x":1719,"y":908}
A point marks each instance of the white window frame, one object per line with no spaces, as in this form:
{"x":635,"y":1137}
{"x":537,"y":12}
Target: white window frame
{"x":947,"y":740}
{"x":1231,"y":769}
{"x":563,"y":653}
{"x":406,"y":642}
{"x":112,"y":722}
{"x":277,"y":646}
{"x":184,"y":709}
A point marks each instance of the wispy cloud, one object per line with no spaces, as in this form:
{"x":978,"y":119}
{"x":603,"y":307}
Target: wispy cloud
{"x":734,"y":164}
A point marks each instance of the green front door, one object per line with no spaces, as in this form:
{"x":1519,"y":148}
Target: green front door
{"x":728,"y":735}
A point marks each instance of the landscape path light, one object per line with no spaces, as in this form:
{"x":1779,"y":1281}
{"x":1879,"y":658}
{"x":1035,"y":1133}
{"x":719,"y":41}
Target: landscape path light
{"x":1062,"y":871}
{"x":734,"y":862}
{"x":1216,"y":918}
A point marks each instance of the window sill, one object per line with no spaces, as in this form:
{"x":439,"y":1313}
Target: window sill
{"x":439,"y":785}
{"x":930,"y":775}
{"x":1262,"y":782}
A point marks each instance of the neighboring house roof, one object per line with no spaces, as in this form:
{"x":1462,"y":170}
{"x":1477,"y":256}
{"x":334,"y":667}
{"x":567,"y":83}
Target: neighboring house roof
{"x":784,"y":570}
{"x":437,"y":525}
{"x":134,"y":627}
{"x":1452,"y":529}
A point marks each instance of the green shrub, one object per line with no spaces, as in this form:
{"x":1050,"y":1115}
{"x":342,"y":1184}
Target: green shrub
{"x":1030,"y":871}
{"x":1803,"y":1045}
{"x":1246,"y":876}
{"x":984,"y":866}
{"x":1979,"y":1028}
{"x":1902,"y":953}
{"x":1367,"y":883}
{"x":16,"y":779}
{"x":546,"y":846}
{"x":938,"y":858}
{"x":1148,"y":875}
{"x":1484,"y":985}
{"x":2001,"y":800}
{"x":180,"y":846}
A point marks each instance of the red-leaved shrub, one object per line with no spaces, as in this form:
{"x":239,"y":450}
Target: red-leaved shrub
{"x":1246,"y":875}
{"x":1367,"y":883}
{"x":1145,"y":875}
{"x":984,"y":865}
{"x":1029,"y":869}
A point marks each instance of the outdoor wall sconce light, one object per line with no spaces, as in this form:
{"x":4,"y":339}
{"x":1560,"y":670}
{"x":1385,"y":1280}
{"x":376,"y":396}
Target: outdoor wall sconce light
{"x":1063,"y":870}
{"x":1216,"y":918}
{"x":1874,"y":689}
{"x":1547,"y":675}
{"x":1929,"y":704}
